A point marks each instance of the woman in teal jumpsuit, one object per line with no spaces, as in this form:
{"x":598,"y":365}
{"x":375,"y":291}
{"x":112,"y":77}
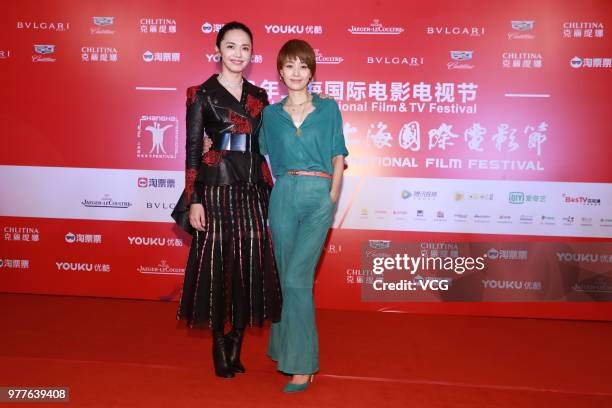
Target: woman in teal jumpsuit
{"x":302,"y":135}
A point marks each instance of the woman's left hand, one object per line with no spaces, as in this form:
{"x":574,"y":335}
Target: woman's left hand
{"x":334,"y":195}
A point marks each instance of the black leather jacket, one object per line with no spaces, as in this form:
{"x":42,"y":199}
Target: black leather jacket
{"x":233,"y":127}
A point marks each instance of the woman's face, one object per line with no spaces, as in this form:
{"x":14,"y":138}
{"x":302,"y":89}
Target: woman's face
{"x":235,"y":50}
{"x":295,"y":74}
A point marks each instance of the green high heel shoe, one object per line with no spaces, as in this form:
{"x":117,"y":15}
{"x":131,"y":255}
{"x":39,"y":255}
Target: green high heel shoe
{"x":290,"y":387}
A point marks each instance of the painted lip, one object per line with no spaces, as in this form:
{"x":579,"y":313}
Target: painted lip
{"x":237,"y":62}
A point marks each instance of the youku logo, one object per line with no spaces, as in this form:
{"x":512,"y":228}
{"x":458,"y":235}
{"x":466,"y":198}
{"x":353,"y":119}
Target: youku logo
{"x":459,"y":59}
{"x":82,"y":267}
{"x":160,"y":129}
{"x":522,"y":30}
{"x":43,"y":52}
{"x":155,"y":241}
{"x":375,"y":28}
{"x":255,"y":58}
{"x":293,"y":29}
{"x":102,"y":25}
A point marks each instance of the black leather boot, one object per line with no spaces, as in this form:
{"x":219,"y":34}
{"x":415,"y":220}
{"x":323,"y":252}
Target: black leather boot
{"x":233,"y":342}
{"x":219,"y":354}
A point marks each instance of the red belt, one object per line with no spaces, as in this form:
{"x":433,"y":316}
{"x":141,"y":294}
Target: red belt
{"x":309,"y":173}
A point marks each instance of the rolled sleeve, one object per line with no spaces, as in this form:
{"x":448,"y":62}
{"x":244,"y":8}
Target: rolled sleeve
{"x":338,"y":144}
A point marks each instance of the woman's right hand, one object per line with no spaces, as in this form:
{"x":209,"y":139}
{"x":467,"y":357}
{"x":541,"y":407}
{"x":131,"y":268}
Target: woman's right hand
{"x":196,"y":216}
{"x":207,"y":144}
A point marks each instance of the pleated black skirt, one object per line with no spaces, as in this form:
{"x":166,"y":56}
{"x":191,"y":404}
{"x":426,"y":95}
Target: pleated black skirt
{"x":231,"y":276}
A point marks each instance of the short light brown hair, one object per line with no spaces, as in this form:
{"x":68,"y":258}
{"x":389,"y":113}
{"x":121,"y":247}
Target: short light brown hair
{"x":294,"y":49}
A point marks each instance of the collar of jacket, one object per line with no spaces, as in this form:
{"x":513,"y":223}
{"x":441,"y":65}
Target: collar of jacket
{"x":222,"y":97}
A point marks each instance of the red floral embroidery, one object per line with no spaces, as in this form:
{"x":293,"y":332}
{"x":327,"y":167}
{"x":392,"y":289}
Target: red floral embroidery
{"x":241,"y":124}
{"x":253,"y":106}
{"x":265,"y":172}
{"x":190,"y":176}
{"x":191,"y":94}
{"x":212,"y":158}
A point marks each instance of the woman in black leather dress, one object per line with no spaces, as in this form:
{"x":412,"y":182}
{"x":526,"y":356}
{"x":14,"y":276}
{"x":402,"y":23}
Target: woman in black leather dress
{"x":230,"y":275}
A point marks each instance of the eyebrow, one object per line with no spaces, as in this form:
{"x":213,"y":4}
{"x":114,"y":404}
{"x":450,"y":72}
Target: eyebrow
{"x":231,"y":42}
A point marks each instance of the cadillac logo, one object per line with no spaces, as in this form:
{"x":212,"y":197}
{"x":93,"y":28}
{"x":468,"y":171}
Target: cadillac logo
{"x":523,"y":25}
{"x":103,"y":21}
{"x":461,"y":55}
{"x":44,"y":48}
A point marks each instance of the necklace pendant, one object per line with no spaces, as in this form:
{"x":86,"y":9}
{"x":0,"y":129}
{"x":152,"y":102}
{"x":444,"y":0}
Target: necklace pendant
{"x":298,"y":132}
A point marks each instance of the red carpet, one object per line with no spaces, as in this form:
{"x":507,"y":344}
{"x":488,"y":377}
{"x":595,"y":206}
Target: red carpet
{"x":127,"y":353}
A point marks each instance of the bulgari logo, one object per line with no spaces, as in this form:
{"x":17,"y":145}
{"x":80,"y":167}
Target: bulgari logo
{"x":410,"y":61}
{"x":461,"y":31}
{"x":43,"y":25}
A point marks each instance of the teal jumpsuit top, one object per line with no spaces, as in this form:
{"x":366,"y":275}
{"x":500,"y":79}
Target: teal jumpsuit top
{"x":300,"y":215}
{"x":321,"y":138}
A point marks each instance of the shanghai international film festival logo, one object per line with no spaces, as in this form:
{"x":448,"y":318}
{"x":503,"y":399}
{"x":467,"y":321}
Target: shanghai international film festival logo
{"x":43,"y":53}
{"x":103,"y":26}
{"x":157,"y":137}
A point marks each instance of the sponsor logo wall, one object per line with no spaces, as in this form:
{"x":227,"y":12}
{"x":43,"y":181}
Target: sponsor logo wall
{"x":493,"y":123}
